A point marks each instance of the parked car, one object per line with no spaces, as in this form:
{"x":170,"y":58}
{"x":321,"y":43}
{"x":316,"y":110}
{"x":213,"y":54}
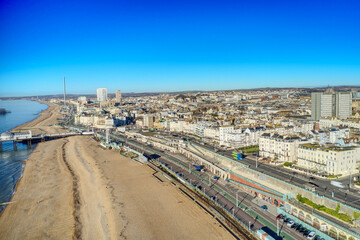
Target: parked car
{"x":301,"y":229}
{"x":264,"y":207}
{"x":294,"y":225}
{"x":311,"y":235}
{"x":279,"y":216}
{"x":290,"y":223}
{"x":306,"y":232}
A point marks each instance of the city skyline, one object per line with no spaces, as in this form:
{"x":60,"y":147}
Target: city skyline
{"x":166,"y":47}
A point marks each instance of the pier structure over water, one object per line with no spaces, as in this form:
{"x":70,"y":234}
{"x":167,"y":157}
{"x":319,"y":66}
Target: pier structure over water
{"x":28,"y":138}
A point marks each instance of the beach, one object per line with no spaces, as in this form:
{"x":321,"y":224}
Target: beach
{"x":73,"y":189}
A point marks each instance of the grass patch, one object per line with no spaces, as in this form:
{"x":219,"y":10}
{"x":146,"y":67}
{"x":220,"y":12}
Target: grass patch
{"x":334,"y":212}
{"x":356,"y":214}
{"x":250,"y":149}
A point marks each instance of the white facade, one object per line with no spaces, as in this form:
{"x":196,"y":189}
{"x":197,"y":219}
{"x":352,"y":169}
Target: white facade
{"x":281,"y":148}
{"x":343,"y":105}
{"x":101,"y":94}
{"x":95,"y":121}
{"x":327,"y":105}
{"x":329,"y":159}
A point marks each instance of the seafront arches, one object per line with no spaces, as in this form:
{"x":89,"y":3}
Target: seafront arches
{"x":295,"y":212}
{"x":301,"y":215}
{"x":342,"y":236}
{"x":333,"y":233}
{"x":329,"y":229}
{"x":309,"y":219}
{"x":316,"y":223}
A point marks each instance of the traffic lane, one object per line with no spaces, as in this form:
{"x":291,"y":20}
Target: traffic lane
{"x":323,"y":186}
{"x":193,"y":180}
{"x":341,"y":197}
{"x":220,"y":199}
{"x":246,"y":199}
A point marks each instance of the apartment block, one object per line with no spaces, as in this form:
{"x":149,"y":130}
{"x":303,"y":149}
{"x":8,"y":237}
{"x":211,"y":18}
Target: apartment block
{"x":329,"y":159}
{"x":279,"y":147}
{"x":331,"y":105}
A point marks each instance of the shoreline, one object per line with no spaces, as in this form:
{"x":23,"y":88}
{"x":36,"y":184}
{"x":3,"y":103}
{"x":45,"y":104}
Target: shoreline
{"x":38,"y":114}
{"x":25,"y":160}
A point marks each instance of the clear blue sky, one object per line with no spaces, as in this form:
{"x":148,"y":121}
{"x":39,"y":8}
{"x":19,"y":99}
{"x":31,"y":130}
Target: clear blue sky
{"x":139,"y":46}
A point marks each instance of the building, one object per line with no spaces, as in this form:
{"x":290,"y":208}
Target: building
{"x":118,"y":96}
{"x":101,"y":94}
{"x":278,"y":147}
{"x":329,"y":159}
{"x":343,"y":105}
{"x":331,"y":105}
{"x":148,"y":120}
{"x":82,"y":99}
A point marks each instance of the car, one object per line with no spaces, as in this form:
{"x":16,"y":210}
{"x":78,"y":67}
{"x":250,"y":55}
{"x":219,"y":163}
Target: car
{"x":290,"y":223}
{"x":282,"y":218}
{"x":311,"y":235}
{"x":264,"y":207}
{"x":298,"y":227}
{"x":301,"y":229}
{"x":279,"y":216}
{"x":306,"y":232}
{"x":294,"y":225}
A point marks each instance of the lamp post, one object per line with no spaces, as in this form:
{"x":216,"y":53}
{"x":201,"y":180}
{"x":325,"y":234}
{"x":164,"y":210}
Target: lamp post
{"x":249,"y":224}
{"x":237,"y":201}
{"x":350,"y":178}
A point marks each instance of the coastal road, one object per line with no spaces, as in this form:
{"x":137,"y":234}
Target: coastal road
{"x":323,"y":188}
{"x":216,"y":190}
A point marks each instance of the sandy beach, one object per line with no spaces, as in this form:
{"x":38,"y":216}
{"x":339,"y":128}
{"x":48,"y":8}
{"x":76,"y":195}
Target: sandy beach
{"x":43,"y":123}
{"x":73,"y":189}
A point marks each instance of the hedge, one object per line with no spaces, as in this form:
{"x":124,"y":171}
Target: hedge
{"x":287,"y":164}
{"x":334,"y":212}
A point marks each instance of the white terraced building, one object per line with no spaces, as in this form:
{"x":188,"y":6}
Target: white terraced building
{"x":329,"y":159}
{"x":282,"y":148}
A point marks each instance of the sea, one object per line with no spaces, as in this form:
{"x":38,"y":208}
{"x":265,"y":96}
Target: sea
{"x":12,"y":162}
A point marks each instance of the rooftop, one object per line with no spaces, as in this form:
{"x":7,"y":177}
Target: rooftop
{"x":330,"y":147}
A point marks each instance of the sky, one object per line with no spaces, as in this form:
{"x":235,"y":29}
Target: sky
{"x":151,"y":46}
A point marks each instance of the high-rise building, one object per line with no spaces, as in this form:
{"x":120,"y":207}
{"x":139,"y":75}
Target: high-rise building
{"x":101,"y":94}
{"x":118,"y":96}
{"x":331,"y":105}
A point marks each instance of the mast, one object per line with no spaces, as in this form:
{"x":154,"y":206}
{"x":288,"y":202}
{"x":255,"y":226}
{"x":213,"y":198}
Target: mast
{"x":64,"y":93}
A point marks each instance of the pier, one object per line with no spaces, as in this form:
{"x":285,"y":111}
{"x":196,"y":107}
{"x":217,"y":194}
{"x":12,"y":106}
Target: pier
{"x":29,"y":139}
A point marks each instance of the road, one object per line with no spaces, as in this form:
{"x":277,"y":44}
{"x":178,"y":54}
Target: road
{"x":324,"y":187}
{"x":223,"y":193}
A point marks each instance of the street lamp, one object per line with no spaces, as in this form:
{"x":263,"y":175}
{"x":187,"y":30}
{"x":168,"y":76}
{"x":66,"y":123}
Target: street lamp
{"x":249,"y":224}
{"x":237,"y":201}
{"x":350,"y":178}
